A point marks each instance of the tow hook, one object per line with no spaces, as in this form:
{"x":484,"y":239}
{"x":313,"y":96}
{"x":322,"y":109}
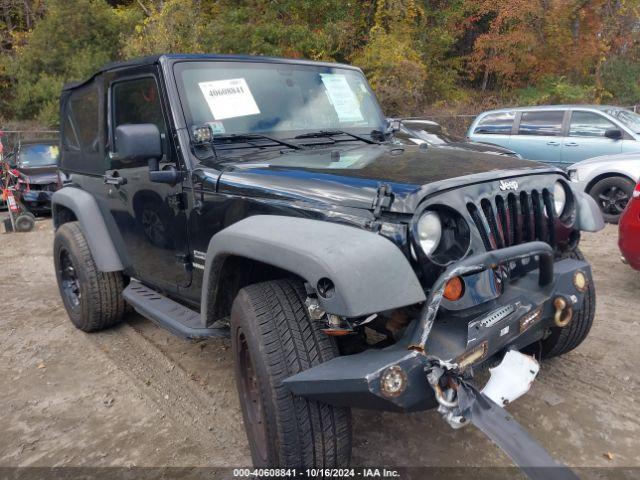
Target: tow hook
{"x":447,"y":399}
{"x":564,"y":312}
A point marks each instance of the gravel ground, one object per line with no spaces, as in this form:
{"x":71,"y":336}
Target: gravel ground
{"x":137,"y":396}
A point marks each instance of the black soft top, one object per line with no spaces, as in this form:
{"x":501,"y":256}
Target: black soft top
{"x":156,"y":59}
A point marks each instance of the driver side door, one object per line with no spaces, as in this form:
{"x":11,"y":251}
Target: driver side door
{"x":149,"y":216}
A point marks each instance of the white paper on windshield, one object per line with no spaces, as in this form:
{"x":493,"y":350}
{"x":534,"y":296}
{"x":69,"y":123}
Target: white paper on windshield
{"x":229,"y":98}
{"x":342,"y":97}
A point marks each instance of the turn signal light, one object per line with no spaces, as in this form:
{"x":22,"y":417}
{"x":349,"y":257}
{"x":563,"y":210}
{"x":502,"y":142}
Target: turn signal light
{"x":454,"y":289}
{"x":636,"y":191}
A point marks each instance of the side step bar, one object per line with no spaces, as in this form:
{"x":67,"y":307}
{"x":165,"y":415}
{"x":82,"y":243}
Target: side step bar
{"x":166,"y":313}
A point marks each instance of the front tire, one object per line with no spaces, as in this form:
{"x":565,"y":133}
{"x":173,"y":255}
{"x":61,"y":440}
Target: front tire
{"x":93,"y":299}
{"x":612,"y":195}
{"x":563,"y":340}
{"x":272,"y":338}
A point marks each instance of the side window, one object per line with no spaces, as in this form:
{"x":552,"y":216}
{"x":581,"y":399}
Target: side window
{"x":589,"y":124}
{"x":541,"y":123}
{"x":500,"y":123}
{"x":137,"y":101}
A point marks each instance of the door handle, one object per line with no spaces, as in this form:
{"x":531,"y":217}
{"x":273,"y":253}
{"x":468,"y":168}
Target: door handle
{"x":114,"y":179}
{"x":571,"y":144}
{"x":553,"y":144}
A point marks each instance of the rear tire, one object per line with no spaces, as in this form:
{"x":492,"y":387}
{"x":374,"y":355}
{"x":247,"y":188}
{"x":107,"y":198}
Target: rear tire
{"x":612,"y":194}
{"x":563,"y":340}
{"x":93,"y":299}
{"x":272,"y":337}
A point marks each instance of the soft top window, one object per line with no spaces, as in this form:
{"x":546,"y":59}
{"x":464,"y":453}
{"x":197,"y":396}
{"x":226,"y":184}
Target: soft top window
{"x":81,"y":130}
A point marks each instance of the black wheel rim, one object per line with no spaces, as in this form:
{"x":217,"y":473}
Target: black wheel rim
{"x":69,"y":280}
{"x":613,"y":200}
{"x":250,"y":398}
{"x":153,"y":227}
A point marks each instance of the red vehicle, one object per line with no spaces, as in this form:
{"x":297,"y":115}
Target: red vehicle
{"x":629,"y":239}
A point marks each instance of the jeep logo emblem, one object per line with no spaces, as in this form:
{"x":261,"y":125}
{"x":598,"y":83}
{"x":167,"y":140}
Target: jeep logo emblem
{"x":508,"y":185}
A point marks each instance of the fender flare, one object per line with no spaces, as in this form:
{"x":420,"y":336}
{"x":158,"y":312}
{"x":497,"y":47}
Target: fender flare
{"x":589,"y":216}
{"x":369,"y":272}
{"x":92,"y":224}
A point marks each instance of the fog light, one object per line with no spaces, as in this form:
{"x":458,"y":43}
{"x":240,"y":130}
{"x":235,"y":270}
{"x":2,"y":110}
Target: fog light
{"x":530,"y":318}
{"x":580,"y":281}
{"x":454,"y":289}
{"x":393,"y":381}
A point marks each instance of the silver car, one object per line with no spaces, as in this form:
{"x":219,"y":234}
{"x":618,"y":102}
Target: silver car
{"x":609,"y":179}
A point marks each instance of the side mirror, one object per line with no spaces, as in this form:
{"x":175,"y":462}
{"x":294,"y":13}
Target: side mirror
{"x":613,"y":134}
{"x":143,"y":143}
{"x":138,"y":142}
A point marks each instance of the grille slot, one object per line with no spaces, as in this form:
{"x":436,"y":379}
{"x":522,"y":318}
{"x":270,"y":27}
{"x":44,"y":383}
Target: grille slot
{"x":514,"y":219}
{"x":487,"y":209}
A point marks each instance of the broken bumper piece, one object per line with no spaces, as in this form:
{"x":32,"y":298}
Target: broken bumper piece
{"x":394,"y":378}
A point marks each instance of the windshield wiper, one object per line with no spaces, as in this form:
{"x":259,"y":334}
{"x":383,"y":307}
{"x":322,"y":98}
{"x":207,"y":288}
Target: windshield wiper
{"x":247,"y":137}
{"x":333,"y":133}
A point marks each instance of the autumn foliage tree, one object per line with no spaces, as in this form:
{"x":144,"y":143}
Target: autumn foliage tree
{"x":418,"y":55}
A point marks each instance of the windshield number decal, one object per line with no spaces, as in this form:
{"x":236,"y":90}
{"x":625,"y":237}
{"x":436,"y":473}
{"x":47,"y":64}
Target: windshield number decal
{"x":229,"y":98}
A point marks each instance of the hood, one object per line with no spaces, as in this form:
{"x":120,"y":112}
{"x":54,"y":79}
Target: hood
{"x":351,"y":176}
{"x":40,"y":175}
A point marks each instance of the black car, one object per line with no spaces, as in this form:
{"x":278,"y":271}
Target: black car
{"x":37,"y":164}
{"x":266,"y":200}
{"x":423,"y":131}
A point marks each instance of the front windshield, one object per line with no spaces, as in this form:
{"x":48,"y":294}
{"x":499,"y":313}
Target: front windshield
{"x":279,"y":99}
{"x":38,"y":155}
{"x":628,"y":118}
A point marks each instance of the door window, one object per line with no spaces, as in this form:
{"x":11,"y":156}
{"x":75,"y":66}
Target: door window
{"x":589,"y":124}
{"x":500,"y":123}
{"x":541,"y":123}
{"x":137,"y":101}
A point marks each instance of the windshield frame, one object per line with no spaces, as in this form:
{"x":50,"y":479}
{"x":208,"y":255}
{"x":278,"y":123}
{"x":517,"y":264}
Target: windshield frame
{"x":176,"y":65}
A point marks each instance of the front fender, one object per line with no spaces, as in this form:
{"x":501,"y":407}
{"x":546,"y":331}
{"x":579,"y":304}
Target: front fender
{"x":369,"y":272}
{"x":93,"y":226}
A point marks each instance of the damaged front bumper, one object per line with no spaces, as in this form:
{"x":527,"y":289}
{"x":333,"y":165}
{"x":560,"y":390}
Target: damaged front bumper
{"x":393,"y":378}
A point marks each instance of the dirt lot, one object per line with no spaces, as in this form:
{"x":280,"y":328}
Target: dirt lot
{"x":137,"y":396}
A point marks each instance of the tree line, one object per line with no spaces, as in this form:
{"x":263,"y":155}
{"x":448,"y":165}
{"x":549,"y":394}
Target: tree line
{"x":418,"y":55}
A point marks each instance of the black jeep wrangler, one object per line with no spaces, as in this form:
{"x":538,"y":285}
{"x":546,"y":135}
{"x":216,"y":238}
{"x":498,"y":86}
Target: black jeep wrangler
{"x":266,"y":200}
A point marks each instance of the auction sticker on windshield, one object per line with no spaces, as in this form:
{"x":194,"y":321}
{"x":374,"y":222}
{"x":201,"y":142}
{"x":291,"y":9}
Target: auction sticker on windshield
{"x":229,"y":98}
{"x":342,"y":97}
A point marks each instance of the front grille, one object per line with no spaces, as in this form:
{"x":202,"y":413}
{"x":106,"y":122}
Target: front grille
{"x":512,"y":219}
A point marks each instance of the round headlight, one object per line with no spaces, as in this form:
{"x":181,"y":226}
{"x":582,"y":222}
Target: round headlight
{"x":559,"y":198}
{"x":429,"y":232}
